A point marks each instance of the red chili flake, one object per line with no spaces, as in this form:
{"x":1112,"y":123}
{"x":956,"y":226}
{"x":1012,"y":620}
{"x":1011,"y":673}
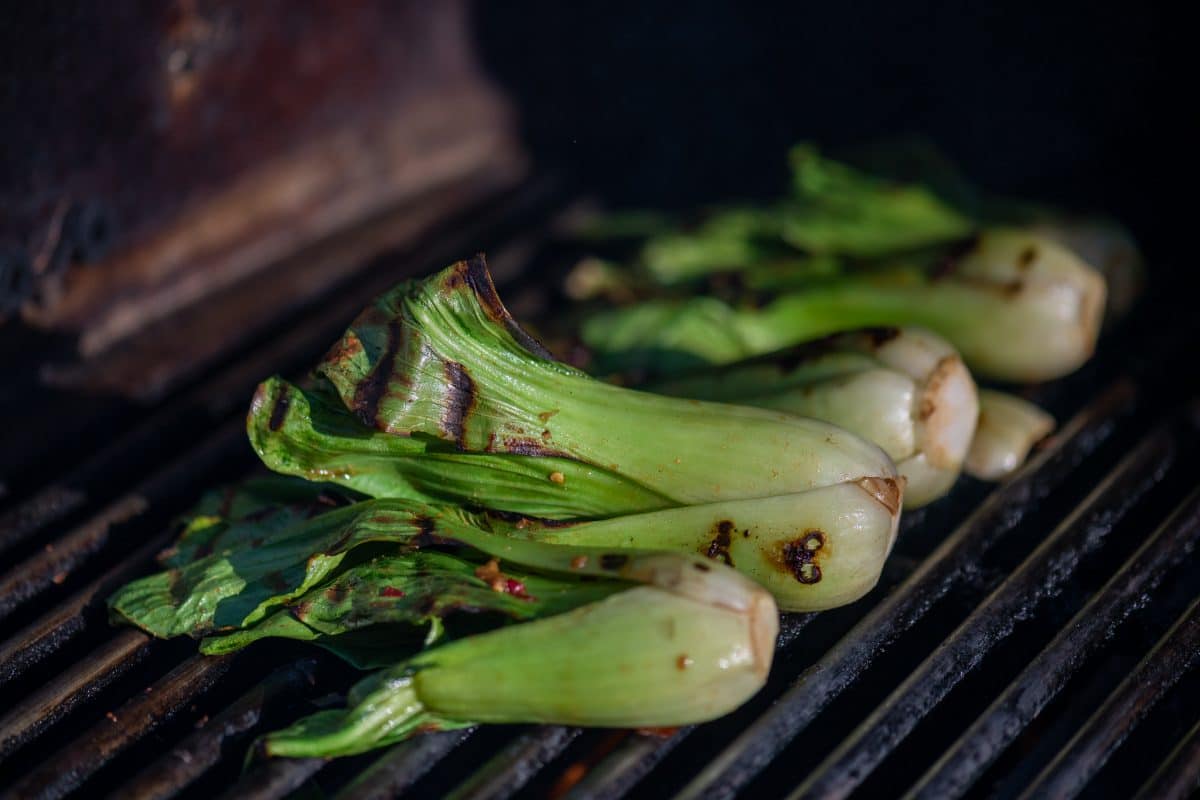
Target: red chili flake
{"x":516,"y":589}
{"x":391,"y":591}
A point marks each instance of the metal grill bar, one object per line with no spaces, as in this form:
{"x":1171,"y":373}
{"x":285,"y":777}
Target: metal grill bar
{"x":275,"y":778}
{"x":201,"y":751}
{"x":1046,"y":675}
{"x":166,"y":489}
{"x":510,"y":769}
{"x":42,"y":709}
{"x":1039,"y":576}
{"x":629,"y":762}
{"x":67,"y":770}
{"x":403,"y":766}
{"x":1179,"y":775}
{"x":56,"y":629}
{"x":1089,"y":750}
{"x":839,"y":668}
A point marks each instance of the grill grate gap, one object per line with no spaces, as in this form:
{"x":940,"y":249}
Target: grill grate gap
{"x":967,"y":701}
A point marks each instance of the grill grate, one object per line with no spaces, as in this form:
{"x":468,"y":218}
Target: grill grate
{"x":1040,"y":637}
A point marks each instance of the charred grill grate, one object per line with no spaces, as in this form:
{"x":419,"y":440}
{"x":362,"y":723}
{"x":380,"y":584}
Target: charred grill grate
{"x":1040,"y":637}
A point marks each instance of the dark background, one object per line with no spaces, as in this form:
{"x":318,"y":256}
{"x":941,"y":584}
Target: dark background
{"x":687,"y":103}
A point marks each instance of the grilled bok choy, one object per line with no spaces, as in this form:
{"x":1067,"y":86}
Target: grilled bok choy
{"x":1009,"y":427}
{"x":692,"y":644}
{"x":310,"y":434}
{"x":832,"y":209}
{"x":1015,"y":305}
{"x":812,"y":550}
{"x":441,"y":358}
{"x":905,"y":389}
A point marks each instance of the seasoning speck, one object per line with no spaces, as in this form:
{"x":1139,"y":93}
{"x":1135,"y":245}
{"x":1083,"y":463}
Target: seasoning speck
{"x":684,"y":661}
{"x":558,"y":477}
{"x":579,"y":562}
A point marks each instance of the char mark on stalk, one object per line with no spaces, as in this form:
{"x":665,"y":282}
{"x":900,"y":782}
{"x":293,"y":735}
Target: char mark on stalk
{"x":460,"y":402}
{"x":800,"y":556}
{"x":1026,"y":259}
{"x":523,"y":521}
{"x":613,"y":561}
{"x":718,"y":548}
{"x":948,"y":265}
{"x":879,"y":336}
{"x":372,"y":389}
{"x":528,"y":446}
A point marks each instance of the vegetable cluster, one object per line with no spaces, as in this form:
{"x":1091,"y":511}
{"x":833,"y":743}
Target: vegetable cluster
{"x":509,"y":538}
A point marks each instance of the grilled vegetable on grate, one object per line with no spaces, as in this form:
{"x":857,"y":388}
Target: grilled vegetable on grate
{"x":691,"y":645}
{"x":310,"y":434}
{"x":1017,"y":306}
{"x":1009,"y":427}
{"x":903,"y":388}
{"x":441,"y":358}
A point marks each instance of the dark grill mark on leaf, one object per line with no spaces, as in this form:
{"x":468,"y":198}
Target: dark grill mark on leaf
{"x":460,"y":402}
{"x":371,"y":390}
{"x":475,"y":273}
{"x":279,"y":411}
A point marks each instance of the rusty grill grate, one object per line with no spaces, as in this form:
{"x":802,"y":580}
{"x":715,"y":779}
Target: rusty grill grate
{"x":1033,"y":639}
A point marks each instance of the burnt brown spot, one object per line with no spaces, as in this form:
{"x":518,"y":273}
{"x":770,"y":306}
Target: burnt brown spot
{"x":613,"y":561}
{"x":460,"y":402}
{"x":887,"y":491}
{"x":799,"y":556}
{"x":880,"y":336}
{"x":948,"y":265}
{"x":344,"y":349}
{"x":426,"y":532}
{"x":579,"y":562}
{"x":702,"y":567}
{"x":526,"y":446}
{"x":176,"y":586}
{"x":1026,"y":259}
{"x":683,"y":661}
{"x":546,"y":415}
{"x":372,"y":389}
{"x":336,"y":593}
{"x":279,"y":411}
{"x":718,"y":548}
